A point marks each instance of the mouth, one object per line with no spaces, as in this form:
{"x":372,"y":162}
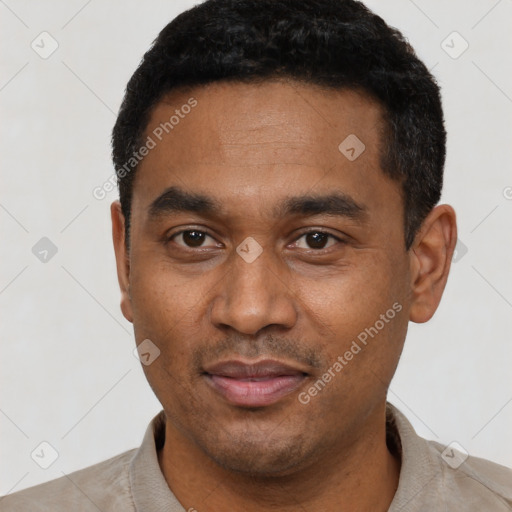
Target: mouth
{"x":254,"y":384}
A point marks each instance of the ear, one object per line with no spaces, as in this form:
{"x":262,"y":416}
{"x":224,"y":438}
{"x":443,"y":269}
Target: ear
{"x":122,"y":259}
{"x":430,"y":259}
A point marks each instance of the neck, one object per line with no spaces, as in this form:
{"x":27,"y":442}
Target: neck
{"x":362,"y":476}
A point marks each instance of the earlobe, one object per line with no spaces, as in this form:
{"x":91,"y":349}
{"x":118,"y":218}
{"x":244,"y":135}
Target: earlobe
{"x":430,"y":261}
{"x":122,"y":259}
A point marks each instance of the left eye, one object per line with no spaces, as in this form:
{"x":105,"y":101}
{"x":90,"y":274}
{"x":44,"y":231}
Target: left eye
{"x":191,"y":238}
{"x":316,"y":240}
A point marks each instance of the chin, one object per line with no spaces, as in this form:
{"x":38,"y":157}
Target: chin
{"x":259,"y":456}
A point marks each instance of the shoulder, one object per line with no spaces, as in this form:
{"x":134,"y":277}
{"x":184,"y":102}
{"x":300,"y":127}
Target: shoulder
{"x":437,"y":477}
{"x":479,"y":483}
{"x":104,"y":486}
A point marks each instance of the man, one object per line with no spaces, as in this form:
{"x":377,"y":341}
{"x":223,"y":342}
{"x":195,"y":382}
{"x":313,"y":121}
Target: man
{"x":279,"y":166}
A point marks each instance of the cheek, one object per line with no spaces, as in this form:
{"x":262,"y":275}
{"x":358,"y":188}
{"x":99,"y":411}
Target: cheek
{"x":159,"y":295}
{"x":169,"y":309}
{"x":350,"y":297}
{"x":366,"y":326}
{"x":364,"y":305}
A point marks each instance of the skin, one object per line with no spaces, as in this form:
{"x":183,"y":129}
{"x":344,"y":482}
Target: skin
{"x":251,"y":147}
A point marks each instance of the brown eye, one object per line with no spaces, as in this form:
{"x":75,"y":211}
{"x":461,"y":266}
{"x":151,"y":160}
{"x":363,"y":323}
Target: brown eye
{"x":316,"y":240}
{"x":191,"y":238}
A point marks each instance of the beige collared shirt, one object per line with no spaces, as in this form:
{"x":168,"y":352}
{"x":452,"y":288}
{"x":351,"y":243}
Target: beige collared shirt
{"x":430,"y":480}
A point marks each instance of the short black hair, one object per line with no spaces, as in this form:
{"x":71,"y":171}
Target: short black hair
{"x":338,"y":44}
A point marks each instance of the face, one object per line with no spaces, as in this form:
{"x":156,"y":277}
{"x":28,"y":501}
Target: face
{"x":268,"y":267}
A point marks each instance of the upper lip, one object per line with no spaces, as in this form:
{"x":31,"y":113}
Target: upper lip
{"x":237,"y":369}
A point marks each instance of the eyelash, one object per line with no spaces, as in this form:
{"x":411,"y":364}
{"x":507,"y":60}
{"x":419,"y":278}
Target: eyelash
{"x":305,"y":233}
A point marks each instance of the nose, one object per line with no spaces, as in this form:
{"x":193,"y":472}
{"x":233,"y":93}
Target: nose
{"x":254,"y":296}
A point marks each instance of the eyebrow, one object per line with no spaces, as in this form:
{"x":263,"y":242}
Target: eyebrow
{"x":177,"y":200}
{"x":174,"y":199}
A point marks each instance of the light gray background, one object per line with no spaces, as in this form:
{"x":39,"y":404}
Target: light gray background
{"x":68,"y":375}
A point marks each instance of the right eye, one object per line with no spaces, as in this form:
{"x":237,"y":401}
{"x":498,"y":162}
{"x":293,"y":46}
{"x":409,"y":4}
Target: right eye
{"x":191,"y":238}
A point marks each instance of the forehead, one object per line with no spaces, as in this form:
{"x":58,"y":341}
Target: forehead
{"x":240,"y":140}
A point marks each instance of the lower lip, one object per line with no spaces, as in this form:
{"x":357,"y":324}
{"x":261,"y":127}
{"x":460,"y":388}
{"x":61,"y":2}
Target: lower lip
{"x":255,"y":393}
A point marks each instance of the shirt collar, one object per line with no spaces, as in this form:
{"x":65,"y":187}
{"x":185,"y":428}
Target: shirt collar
{"x":149,"y":488}
{"x":418,"y":471}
